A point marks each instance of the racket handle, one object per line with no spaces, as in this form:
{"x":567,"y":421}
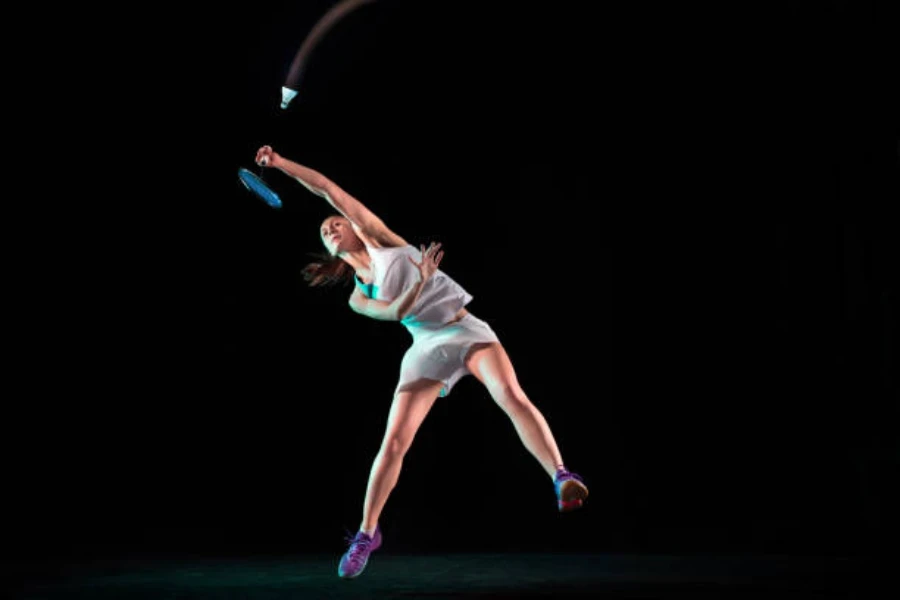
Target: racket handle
{"x":287,"y":95}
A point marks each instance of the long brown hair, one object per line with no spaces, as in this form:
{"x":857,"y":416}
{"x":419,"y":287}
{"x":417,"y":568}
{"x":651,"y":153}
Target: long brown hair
{"x":327,"y":270}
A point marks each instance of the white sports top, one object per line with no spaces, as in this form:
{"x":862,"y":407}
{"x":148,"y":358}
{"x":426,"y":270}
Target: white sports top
{"x":392,"y":272}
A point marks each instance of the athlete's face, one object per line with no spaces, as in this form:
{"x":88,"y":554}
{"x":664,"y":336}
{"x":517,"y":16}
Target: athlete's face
{"x":338,"y":235}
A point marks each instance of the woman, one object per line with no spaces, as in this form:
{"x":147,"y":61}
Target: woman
{"x":394,"y":281}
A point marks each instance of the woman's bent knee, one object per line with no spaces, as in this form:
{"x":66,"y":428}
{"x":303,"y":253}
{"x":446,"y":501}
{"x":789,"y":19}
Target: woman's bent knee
{"x":510,"y":397}
{"x":395,"y":446}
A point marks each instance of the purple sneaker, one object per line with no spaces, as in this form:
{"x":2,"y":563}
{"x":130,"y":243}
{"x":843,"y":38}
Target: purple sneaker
{"x":361,"y":545}
{"x":570,"y":490}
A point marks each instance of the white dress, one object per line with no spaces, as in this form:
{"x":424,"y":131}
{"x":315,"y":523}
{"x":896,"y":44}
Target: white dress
{"x":438,"y":349}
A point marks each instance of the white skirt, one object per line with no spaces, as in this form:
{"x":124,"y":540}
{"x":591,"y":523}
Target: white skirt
{"x":440,"y":354}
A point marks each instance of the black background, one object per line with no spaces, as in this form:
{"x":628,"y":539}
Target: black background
{"x":676,"y":221}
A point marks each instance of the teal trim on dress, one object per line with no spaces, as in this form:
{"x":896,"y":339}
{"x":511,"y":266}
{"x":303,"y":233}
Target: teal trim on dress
{"x":369,"y":289}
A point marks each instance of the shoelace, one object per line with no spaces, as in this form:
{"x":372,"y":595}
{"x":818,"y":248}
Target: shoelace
{"x":560,"y":475}
{"x":359,"y":538}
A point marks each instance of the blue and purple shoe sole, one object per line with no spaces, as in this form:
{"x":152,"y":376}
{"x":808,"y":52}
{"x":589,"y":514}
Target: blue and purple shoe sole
{"x":570,"y":492}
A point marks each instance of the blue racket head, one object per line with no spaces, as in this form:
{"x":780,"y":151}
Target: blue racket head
{"x":256,"y":185}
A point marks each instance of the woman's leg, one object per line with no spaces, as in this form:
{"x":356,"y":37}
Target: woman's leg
{"x":407,"y":413}
{"x":491,"y":365}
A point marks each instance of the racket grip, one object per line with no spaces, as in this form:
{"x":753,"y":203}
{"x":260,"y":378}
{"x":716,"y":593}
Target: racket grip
{"x":287,"y":95}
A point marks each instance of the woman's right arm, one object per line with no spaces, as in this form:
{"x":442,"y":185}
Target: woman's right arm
{"x":355,"y":211}
{"x":399,"y":307}
{"x":381,"y":310}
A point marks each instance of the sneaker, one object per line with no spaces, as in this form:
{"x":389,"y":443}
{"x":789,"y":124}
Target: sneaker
{"x":361,"y":545}
{"x":570,"y":490}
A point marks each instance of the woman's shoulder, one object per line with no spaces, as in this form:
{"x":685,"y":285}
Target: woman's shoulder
{"x":390,"y":249}
{"x":382,"y":240}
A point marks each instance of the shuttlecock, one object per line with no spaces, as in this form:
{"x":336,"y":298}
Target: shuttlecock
{"x":287,"y":94}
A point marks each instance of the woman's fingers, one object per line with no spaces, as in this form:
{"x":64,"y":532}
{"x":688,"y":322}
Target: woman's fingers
{"x":431,"y":254}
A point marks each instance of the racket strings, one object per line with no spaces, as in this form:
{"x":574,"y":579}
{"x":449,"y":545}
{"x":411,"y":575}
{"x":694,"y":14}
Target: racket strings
{"x":257,"y":185}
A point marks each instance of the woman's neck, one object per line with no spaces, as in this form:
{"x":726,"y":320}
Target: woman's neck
{"x":359,"y":259}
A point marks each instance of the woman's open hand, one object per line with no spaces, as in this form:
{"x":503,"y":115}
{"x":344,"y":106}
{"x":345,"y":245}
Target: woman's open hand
{"x":431,"y":259}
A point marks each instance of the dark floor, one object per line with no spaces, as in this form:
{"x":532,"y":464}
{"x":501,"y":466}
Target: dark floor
{"x":510,"y":575}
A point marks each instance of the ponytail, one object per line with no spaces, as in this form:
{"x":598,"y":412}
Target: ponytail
{"x":327,"y":271}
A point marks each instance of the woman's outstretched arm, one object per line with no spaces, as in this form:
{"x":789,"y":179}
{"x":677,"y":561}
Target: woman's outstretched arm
{"x":355,"y":211}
